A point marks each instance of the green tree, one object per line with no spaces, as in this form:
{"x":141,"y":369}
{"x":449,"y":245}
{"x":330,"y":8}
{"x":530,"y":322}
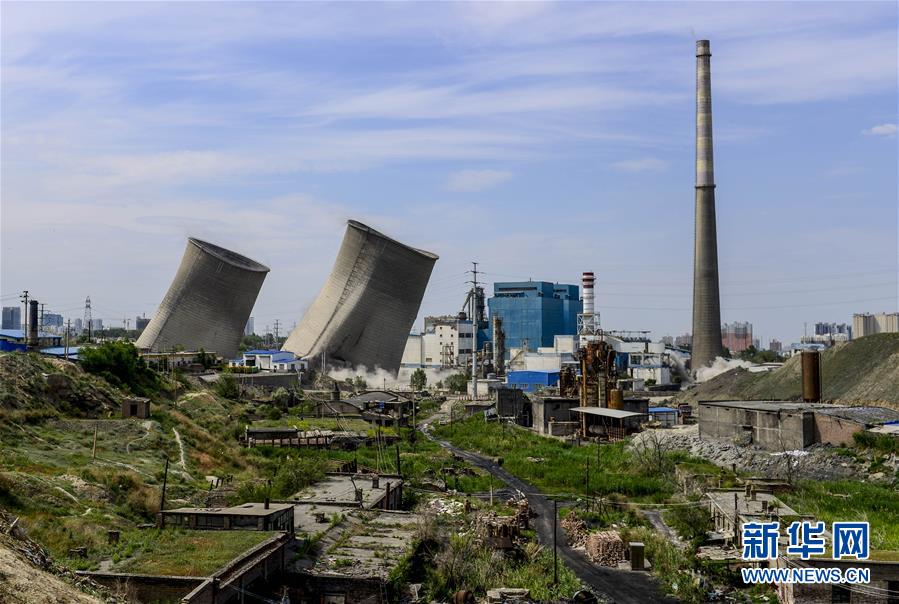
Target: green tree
{"x":419,"y":380}
{"x":228,"y":387}
{"x":121,"y":365}
{"x":280,"y":396}
{"x":360,"y":383}
{"x":458,"y":382}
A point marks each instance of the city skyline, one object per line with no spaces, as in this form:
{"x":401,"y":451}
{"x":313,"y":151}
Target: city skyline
{"x":539,"y":140}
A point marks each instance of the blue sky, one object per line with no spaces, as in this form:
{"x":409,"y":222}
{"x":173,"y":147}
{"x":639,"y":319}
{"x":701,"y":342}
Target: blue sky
{"x":541,"y":140}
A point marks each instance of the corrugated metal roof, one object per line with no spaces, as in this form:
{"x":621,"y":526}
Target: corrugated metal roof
{"x":605,"y":412}
{"x":20,"y":334}
{"x":662,"y":410}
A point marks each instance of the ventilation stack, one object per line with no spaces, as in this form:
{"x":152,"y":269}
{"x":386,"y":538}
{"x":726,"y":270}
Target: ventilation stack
{"x":706,"y":301}
{"x":33,"y":337}
{"x":811,"y":376}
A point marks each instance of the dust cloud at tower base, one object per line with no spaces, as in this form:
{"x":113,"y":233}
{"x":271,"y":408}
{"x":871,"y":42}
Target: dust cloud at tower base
{"x":366,"y":309}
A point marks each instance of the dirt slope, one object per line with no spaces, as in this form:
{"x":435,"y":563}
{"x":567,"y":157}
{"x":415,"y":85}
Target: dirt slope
{"x":863,"y":371}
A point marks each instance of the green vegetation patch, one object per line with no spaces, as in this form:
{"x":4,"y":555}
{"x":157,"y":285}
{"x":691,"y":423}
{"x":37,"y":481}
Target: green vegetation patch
{"x":556,"y":466}
{"x":849,"y":500}
{"x":188,"y":553}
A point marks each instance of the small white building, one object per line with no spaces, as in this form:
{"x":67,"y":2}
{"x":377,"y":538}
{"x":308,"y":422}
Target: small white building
{"x":445,"y":342}
{"x":276,"y":361}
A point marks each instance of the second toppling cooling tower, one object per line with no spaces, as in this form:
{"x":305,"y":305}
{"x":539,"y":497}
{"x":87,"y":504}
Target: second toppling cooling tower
{"x":208,"y":303}
{"x":364,"y":312}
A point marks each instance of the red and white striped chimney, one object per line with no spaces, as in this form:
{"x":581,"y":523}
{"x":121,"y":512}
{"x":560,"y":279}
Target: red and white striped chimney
{"x":587,"y":281}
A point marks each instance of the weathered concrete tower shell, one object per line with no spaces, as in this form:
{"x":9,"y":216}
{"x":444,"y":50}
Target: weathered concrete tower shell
{"x":208,"y":303}
{"x":706,"y":300}
{"x":364,"y":312}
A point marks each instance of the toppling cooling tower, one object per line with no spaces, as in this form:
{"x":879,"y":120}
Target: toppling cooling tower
{"x":364,"y":312}
{"x":208,"y":303}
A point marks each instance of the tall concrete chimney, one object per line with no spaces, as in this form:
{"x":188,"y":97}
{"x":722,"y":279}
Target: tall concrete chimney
{"x":706,"y":303}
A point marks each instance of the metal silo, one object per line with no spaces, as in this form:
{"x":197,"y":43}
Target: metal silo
{"x":208,"y":303}
{"x":364,"y":312}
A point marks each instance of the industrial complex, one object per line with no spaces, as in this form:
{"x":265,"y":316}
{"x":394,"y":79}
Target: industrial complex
{"x":518,"y":449}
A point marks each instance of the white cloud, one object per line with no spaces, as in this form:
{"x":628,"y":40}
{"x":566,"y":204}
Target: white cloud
{"x":881,"y":130}
{"x":637,"y":166}
{"x":468,"y":181}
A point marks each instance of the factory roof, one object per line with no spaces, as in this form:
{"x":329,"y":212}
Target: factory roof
{"x":19,"y":334}
{"x":662,"y":410}
{"x":246,"y":509}
{"x":60,"y":351}
{"x":263,"y":351}
{"x":864,"y":415}
{"x":768,"y":405}
{"x":340,"y":489}
{"x":543,"y":371}
{"x":606,"y":412}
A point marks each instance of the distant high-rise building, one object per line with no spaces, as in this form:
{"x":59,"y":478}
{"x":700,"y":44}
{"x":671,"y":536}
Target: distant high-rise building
{"x":775,"y":345}
{"x":832,"y":329}
{"x":53,"y":320}
{"x":96,"y":324}
{"x":684,"y":340}
{"x":250,"y":328}
{"x":736,"y":336}
{"x":668,"y":340}
{"x":12,"y":317}
{"x":534,"y":312}
{"x":78,"y":326}
{"x":140,"y":323}
{"x":866,"y":324}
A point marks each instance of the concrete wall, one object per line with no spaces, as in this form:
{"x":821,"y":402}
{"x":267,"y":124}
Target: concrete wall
{"x":769,"y":429}
{"x":314,"y":589}
{"x":557,"y":409}
{"x":146,"y":589}
{"x":835,"y":430}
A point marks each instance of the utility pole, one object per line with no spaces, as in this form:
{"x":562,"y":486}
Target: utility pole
{"x":555,"y":548}
{"x":474,"y":331}
{"x":165,"y":479}
{"x":24,"y":322}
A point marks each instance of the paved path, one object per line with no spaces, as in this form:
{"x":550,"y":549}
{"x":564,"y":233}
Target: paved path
{"x":621,"y":587}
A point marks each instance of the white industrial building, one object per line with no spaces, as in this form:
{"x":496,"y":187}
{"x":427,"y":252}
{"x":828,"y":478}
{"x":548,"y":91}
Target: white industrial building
{"x":445,"y":342}
{"x":867,"y":324}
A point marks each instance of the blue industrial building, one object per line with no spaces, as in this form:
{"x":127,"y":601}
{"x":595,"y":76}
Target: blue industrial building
{"x":529,"y":381}
{"x":535,"y":311}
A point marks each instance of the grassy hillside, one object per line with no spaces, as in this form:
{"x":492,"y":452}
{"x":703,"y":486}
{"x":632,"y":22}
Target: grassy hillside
{"x":863,"y":371}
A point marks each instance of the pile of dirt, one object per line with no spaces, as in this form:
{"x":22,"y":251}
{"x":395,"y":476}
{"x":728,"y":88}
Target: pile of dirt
{"x":861,"y":372}
{"x":30,"y":382}
{"x":29,"y":575}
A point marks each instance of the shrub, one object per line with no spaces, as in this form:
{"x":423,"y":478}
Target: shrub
{"x":121,"y":365}
{"x":228,"y":387}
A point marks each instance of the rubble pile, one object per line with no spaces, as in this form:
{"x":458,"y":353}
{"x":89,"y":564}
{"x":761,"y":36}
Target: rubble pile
{"x":448,"y":507}
{"x":13,"y":537}
{"x":575,"y":529}
{"x":606,"y":548}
